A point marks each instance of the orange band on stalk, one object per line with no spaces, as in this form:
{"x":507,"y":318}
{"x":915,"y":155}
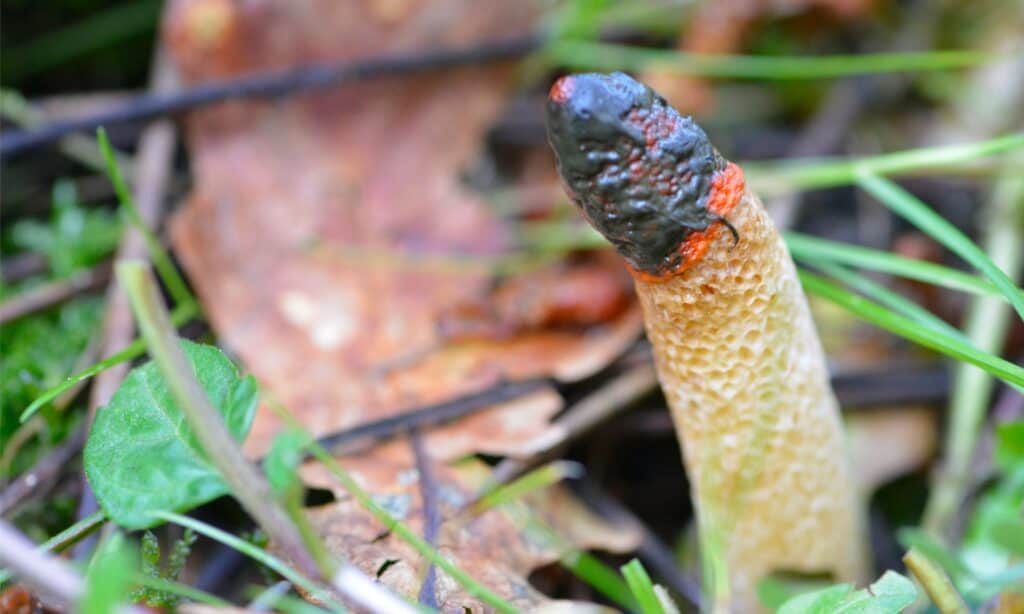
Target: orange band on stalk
{"x":726,"y":191}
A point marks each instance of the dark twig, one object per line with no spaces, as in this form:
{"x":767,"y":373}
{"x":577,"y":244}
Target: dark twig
{"x":652,"y":551}
{"x":431,"y":517}
{"x":274,"y":85}
{"x":615,"y":395}
{"x":431,"y":415}
{"x":52,"y":293}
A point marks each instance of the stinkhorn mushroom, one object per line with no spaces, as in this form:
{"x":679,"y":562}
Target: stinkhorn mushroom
{"x":736,"y":351}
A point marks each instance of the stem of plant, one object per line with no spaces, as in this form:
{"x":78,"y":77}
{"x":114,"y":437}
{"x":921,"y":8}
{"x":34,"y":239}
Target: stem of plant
{"x":247,"y":484}
{"x":935,"y":582}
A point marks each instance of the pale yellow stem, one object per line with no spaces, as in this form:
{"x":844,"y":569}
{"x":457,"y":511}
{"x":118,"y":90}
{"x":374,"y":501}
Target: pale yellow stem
{"x":745,"y":377}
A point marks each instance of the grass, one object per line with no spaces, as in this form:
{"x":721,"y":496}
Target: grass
{"x":642,"y":588}
{"x":581,"y":55}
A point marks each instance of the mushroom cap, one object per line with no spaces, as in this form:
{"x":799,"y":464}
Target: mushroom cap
{"x":640,"y":172}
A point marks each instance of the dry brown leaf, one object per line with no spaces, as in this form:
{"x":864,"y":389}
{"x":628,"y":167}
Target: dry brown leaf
{"x":888,"y":442}
{"x":498,"y":548}
{"x":329,"y":234}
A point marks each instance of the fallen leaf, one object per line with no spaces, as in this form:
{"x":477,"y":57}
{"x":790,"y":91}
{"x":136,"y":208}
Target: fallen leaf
{"x":887,"y":442}
{"x":329,"y":234}
{"x":498,"y":548}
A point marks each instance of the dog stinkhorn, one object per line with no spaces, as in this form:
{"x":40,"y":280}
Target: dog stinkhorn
{"x":736,"y":351}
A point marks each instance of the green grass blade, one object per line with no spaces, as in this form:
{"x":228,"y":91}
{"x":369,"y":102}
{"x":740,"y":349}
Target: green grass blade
{"x":602,"y":578}
{"x":904,"y":327}
{"x":602,"y":56}
{"x":821,"y":173}
{"x":812,"y":250}
{"x":909,"y":207}
{"x":176,"y":285}
{"x":254,"y":552}
{"x":535,"y":480}
{"x":890,"y":299}
{"x":181,"y":314}
{"x":642,"y":587}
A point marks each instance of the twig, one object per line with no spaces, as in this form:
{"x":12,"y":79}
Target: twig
{"x":431,"y":517}
{"x":78,"y":147}
{"x":51,"y":293}
{"x":247,"y":484}
{"x":432,"y":415}
{"x":652,"y":551}
{"x":21,"y":489}
{"x":45,"y":573}
{"x":19,"y":266}
{"x":935,"y":582}
{"x":614,"y":396}
{"x":276,"y":84}
{"x":151,"y":168}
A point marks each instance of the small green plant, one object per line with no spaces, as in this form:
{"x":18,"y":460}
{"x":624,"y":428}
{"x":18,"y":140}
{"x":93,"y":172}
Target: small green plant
{"x":74,"y":238}
{"x":109,"y":576}
{"x":150,"y":560}
{"x":141,"y":455}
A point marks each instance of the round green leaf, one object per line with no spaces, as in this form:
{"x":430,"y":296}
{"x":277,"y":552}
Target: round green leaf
{"x":141,"y":455}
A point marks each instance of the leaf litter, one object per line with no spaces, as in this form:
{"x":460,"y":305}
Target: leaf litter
{"x":338,"y":253}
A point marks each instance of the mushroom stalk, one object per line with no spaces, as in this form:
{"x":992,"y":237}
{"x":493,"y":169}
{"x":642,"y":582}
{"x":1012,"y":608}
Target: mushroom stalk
{"x":736,"y":351}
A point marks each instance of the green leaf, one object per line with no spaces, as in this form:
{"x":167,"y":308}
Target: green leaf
{"x":891,"y":594}
{"x":1010,"y":445}
{"x":1009,"y":533}
{"x":823,"y":601}
{"x":109,"y":576}
{"x":282,"y":463}
{"x":142,"y":457}
{"x":777,"y":588}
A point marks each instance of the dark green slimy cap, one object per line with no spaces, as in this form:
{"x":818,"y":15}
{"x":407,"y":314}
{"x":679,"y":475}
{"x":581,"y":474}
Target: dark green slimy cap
{"x":639,"y":171}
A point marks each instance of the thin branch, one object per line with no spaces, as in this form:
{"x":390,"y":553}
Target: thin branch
{"x":273,"y":85}
{"x":44,"y":472}
{"x":614,"y":396}
{"x":431,"y":517}
{"x":46,"y":574}
{"x":432,"y":415}
{"x":52,"y":293}
{"x":78,"y":147}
